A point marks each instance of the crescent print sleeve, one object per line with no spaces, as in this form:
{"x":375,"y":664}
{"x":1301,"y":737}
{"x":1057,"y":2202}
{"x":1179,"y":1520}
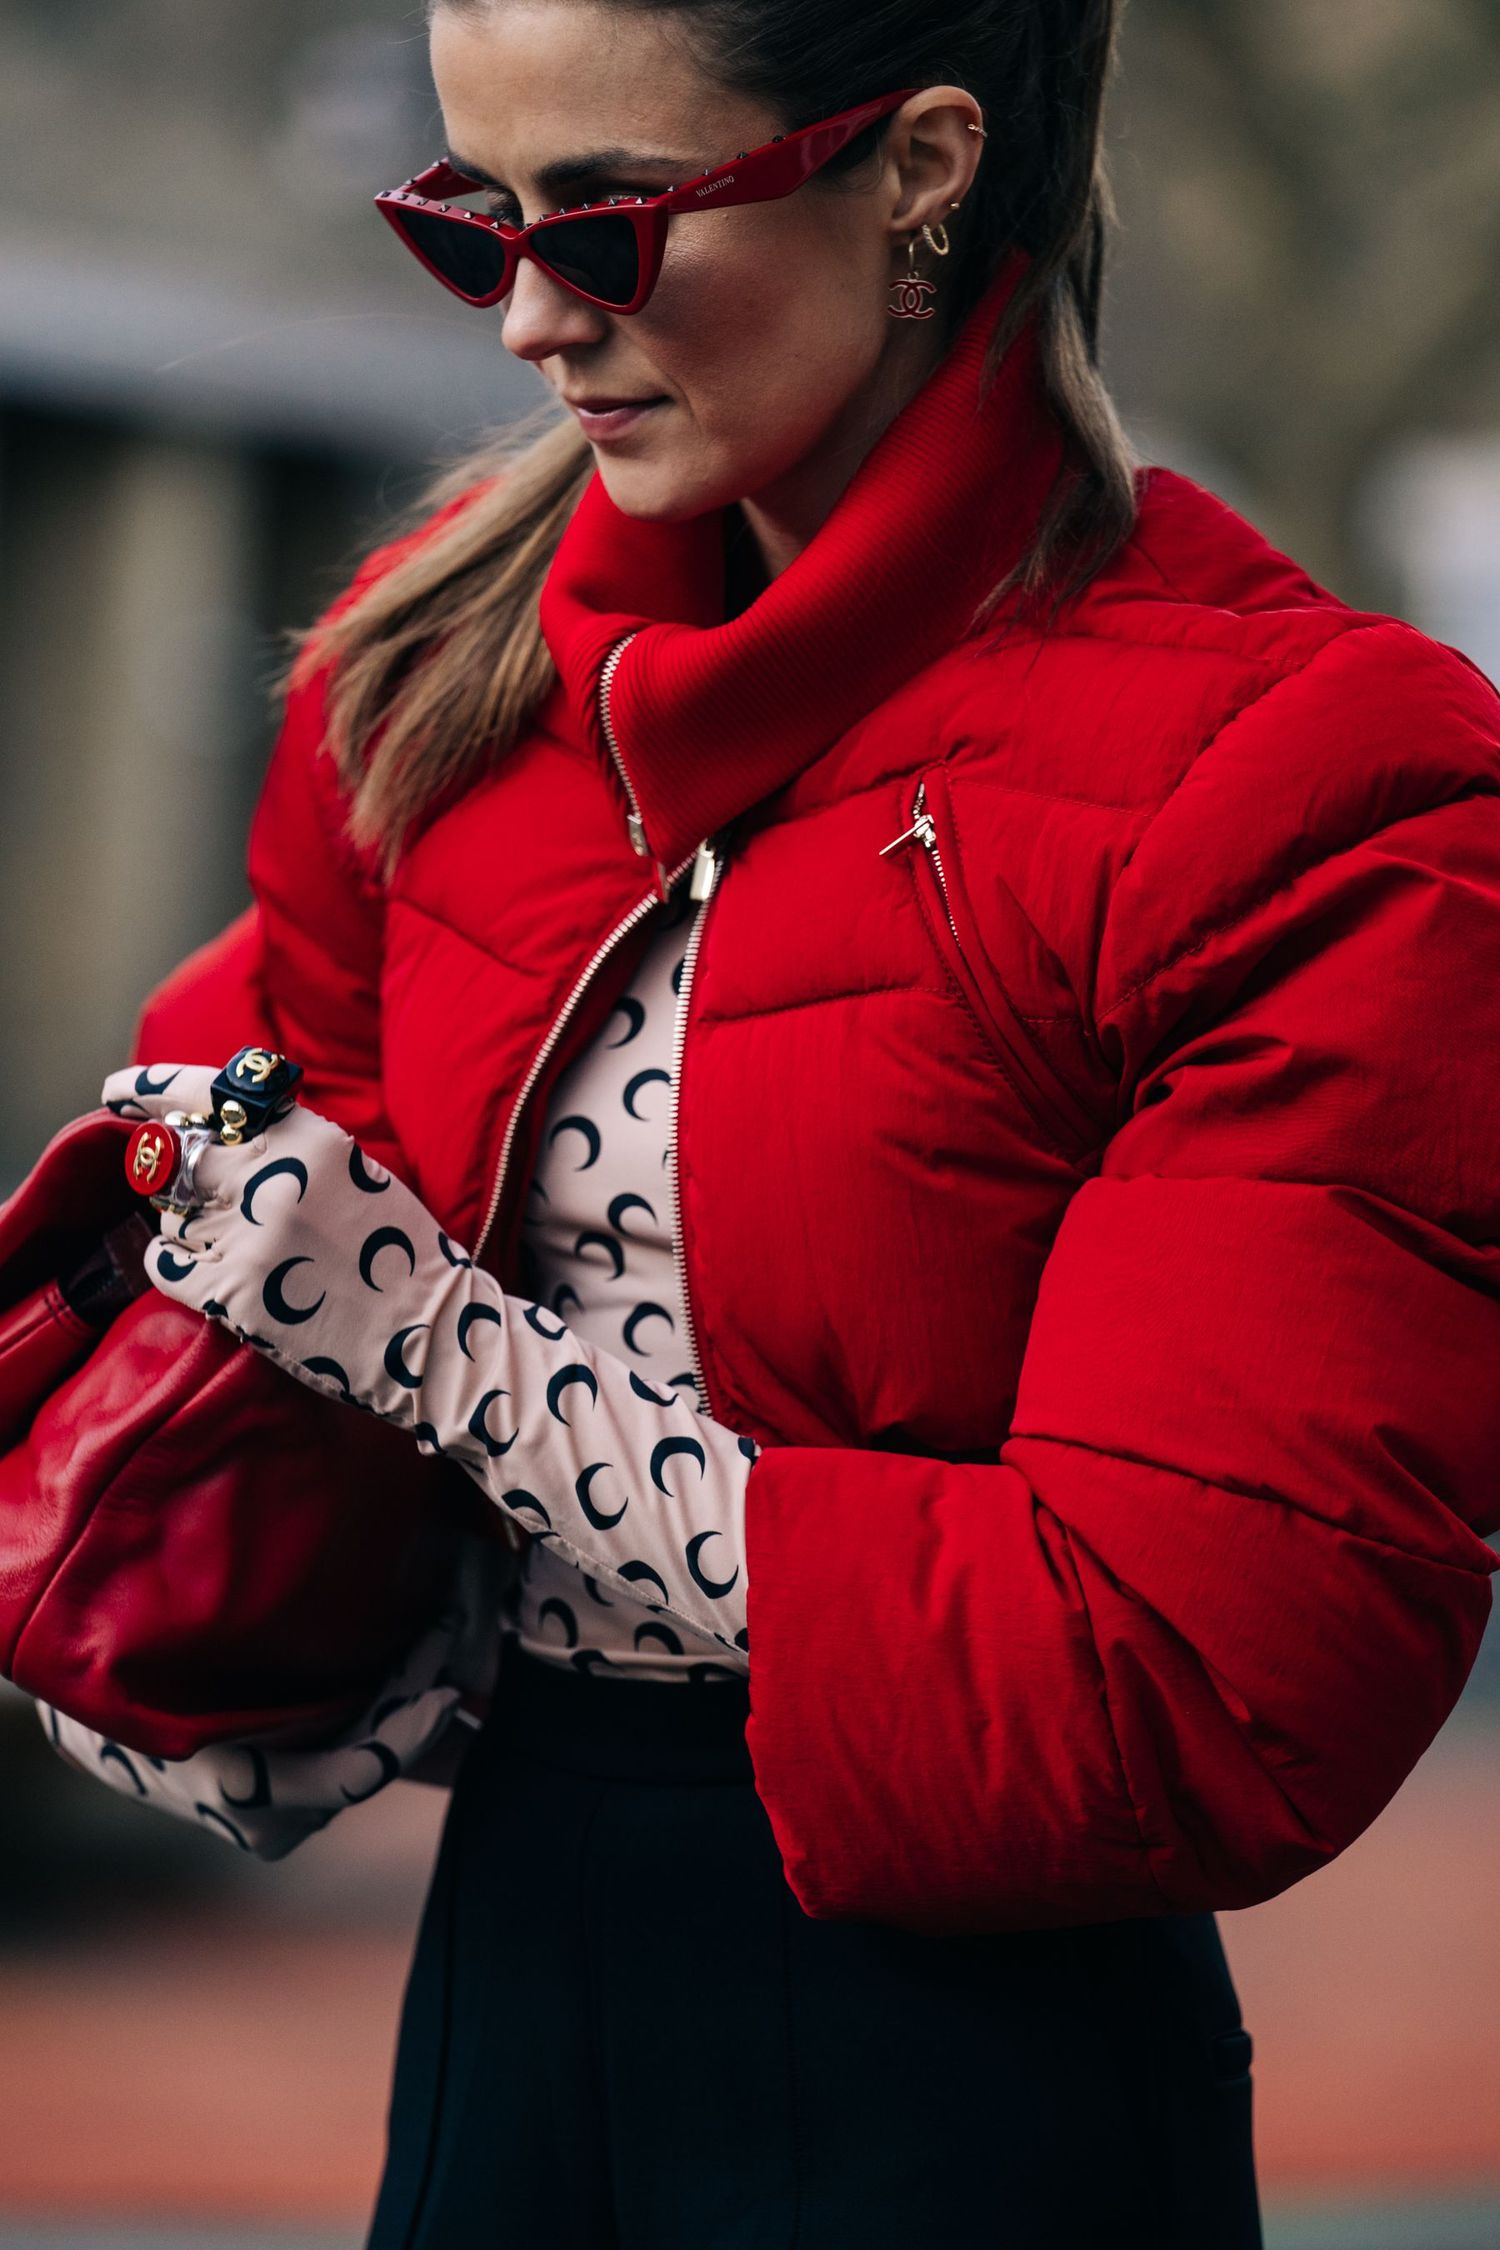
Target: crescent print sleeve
{"x":266,"y":1796}
{"x":313,"y":1253}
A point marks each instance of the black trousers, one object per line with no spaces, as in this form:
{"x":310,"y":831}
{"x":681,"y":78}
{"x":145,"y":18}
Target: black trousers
{"x":621,"y":2032}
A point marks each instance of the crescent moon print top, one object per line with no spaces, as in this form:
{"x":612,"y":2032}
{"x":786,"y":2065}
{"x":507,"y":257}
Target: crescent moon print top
{"x":600,"y":1252}
{"x":630,"y":1569}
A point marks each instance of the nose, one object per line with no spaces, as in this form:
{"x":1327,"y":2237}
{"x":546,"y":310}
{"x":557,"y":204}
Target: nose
{"x":541,"y":317}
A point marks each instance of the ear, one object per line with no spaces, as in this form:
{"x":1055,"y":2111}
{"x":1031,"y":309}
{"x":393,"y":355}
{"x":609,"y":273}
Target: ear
{"x":932,"y":153}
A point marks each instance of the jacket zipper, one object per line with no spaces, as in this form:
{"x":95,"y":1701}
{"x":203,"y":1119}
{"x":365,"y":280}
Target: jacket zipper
{"x":635,"y":825}
{"x":707,"y":864}
{"x":1066,"y":1128}
{"x":707,"y":867}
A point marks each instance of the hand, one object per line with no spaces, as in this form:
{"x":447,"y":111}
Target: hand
{"x":317,"y":1256}
{"x":298,"y":1238}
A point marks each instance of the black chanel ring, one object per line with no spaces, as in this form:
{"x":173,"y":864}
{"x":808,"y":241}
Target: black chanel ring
{"x":254,"y":1088}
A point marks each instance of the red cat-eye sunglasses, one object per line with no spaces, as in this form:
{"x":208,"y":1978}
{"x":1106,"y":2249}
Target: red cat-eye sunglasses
{"x":609,"y":252}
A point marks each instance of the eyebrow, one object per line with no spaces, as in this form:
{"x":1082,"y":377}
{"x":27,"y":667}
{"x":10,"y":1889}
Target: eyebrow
{"x":555,"y":180}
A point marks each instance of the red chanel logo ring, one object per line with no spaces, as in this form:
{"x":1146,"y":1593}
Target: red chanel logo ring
{"x":152,"y":1156}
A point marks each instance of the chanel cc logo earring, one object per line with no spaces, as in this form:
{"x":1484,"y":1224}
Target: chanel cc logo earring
{"x":912,"y":295}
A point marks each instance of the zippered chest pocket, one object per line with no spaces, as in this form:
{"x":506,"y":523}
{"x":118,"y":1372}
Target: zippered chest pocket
{"x":930,"y":845}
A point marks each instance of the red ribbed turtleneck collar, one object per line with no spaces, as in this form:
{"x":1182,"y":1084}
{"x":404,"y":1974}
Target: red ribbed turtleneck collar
{"x":712,"y":716}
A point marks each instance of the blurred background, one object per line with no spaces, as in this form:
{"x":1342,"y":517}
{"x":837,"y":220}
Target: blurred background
{"x":219,"y":375}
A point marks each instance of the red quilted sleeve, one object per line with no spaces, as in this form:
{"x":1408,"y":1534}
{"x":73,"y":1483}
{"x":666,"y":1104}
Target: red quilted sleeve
{"x":1185,"y":1641}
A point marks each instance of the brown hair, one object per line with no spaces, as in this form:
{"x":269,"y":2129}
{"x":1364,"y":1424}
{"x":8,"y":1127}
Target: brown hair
{"x":436,"y":667}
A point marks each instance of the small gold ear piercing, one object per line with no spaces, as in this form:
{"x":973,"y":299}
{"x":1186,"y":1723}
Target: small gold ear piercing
{"x":930,"y":237}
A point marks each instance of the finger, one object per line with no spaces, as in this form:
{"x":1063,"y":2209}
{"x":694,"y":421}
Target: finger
{"x":194,"y":1231}
{"x":144,"y":1091}
{"x":178,"y":1273}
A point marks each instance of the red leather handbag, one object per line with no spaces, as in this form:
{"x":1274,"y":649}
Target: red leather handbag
{"x":192,"y":1545}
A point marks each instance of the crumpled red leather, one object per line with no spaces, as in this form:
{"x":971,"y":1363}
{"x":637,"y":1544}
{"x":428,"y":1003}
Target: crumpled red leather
{"x":193,"y":1547}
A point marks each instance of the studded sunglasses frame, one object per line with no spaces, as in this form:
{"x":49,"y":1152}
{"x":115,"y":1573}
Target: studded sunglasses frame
{"x":760,"y":175}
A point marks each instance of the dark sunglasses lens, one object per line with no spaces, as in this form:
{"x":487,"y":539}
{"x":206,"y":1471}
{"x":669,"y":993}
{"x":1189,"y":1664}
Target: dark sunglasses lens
{"x":470,"y":259}
{"x":600,"y":255}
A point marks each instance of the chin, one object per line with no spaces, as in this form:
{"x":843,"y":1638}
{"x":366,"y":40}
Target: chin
{"x":659,"y":492}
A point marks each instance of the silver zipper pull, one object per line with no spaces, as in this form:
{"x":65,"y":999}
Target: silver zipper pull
{"x":922,"y":825}
{"x":706,"y":869}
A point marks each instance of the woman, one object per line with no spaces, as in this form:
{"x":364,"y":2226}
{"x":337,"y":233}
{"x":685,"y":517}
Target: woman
{"x":892,"y":1009}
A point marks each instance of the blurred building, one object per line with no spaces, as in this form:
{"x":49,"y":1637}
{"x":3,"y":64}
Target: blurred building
{"x":218,"y":375}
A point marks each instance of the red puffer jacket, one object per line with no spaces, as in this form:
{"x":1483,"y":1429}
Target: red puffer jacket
{"x":1088,"y":1147}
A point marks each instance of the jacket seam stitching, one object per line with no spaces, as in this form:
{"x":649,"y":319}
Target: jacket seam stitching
{"x":1137,"y":1815}
{"x":1472,"y":788}
{"x":465,"y":937}
{"x":1241,"y":712}
{"x":1050,"y":1132}
{"x":1261,"y":1499}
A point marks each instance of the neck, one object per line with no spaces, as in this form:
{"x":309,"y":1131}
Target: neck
{"x":784,"y":518}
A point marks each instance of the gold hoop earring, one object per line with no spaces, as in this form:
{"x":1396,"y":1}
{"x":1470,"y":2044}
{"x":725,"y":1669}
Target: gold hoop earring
{"x":930,"y":237}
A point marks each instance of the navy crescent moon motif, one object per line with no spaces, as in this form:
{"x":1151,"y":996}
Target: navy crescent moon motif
{"x":564,"y":1379}
{"x":175,"y":1269}
{"x":620,"y":1204}
{"x":110,"y":1754}
{"x":662,"y":1633}
{"x":641,"y":1574}
{"x":451,"y":1251}
{"x":593,"y":1592}
{"x":565,"y":1295}
{"x":663,"y":1450}
{"x":586,"y":1659}
{"x":642,"y":1078}
{"x":715,"y":1588}
{"x":384,"y":1238}
{"x":370,"y":1179}
{"x":274,"y":1298}
{"x":635,"y":1015}
{"x":529,"y":1501}
{"x":144,"y":1085}
{"x":479,"y":1427}
{"x":597,"y":1517}
{"x":470,"y":1317}
{"x":331,"y":1368}
{"x":217,"y":1820}
{"x":590,"y":1132}
{"x":260,"y":1784}
{"x":294,"y":1169}
{"x":395,"y":1358}
{"x":564,"y":1616}
{"x":590,"y":1238}
{"x":389,"y":1767}
{"x":536,"y":1321}
{"x":652,"y":1398}
{"x":645,"y":1312}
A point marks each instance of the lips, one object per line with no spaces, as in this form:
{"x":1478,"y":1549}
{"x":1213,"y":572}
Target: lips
{"x":603,"y":419}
